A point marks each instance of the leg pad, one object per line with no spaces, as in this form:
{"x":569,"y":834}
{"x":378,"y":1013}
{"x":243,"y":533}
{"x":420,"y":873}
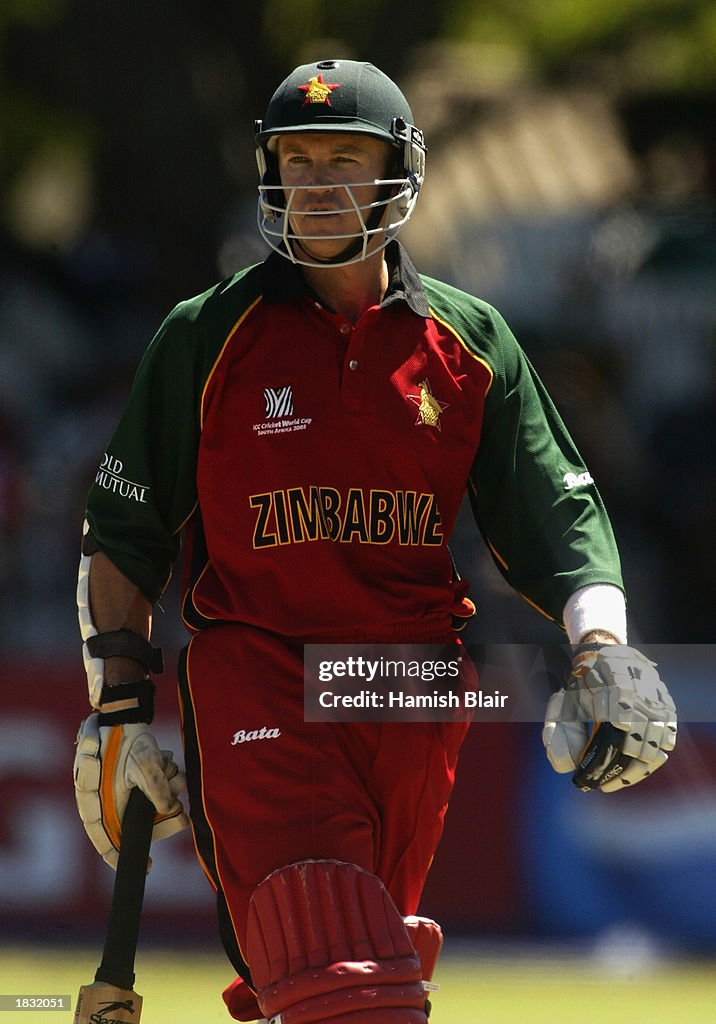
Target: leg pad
{"x":241,"y":1001}
{"x":427,"y":939}
{"x":325,"y":943}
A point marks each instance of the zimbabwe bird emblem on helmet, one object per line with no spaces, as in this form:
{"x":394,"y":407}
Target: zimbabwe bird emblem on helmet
{"x":430,"y":408}
{"x":318,"y":91}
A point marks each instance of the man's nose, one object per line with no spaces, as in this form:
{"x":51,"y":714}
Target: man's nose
{"x":320,"y":176}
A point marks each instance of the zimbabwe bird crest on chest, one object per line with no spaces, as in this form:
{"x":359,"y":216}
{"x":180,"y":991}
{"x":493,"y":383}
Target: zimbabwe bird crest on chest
{"x":430,"y":408}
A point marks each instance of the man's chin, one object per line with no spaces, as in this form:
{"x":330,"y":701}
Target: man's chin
{"x":323,"y":251}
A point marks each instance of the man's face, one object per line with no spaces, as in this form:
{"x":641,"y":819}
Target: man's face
{"x":320,"y":165}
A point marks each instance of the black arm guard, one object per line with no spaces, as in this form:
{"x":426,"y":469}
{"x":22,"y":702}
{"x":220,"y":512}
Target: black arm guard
{"x":125,"y":643}
{"x":123,"y":703}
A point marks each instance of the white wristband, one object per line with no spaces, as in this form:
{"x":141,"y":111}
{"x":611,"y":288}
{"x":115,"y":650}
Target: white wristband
{"x":596,"y":606}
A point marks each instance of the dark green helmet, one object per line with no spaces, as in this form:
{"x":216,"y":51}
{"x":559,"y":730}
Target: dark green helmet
{"x":340,"y":96}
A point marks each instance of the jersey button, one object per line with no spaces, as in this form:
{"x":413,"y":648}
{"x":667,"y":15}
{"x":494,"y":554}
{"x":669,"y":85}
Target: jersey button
{"x":353,"y":365}
{"x":345,"y":329}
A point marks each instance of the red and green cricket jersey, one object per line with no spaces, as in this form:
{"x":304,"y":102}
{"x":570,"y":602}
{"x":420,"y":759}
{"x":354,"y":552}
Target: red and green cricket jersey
{"x":316,"y":467}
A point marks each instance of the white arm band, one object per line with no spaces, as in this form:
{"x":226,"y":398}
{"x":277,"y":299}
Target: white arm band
{"x":597,"y":606}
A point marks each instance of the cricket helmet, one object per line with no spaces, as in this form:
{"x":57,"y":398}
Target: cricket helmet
{"x":350,"y":97}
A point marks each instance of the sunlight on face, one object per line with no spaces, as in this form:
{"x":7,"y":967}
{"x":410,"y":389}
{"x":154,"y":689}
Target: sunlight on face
{"x":319,"y":165}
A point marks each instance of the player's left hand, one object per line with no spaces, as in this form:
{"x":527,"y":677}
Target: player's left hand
{"x":615,"y":721}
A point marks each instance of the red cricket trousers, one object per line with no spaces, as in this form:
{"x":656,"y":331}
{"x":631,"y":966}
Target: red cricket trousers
{"x":373,"y":793}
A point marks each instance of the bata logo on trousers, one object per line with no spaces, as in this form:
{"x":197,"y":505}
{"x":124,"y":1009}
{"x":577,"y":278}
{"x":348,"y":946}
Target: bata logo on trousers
{"x":242,"y":736}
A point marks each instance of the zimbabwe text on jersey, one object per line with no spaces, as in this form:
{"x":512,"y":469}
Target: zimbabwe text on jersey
{"x":295,"y":515}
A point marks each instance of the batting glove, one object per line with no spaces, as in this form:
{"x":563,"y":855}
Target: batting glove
{"x":615,"y":721}
{"x":110,"y":761}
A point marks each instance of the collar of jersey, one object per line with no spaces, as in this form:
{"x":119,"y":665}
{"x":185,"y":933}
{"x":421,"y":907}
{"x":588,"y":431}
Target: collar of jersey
{"x":284,"y":282}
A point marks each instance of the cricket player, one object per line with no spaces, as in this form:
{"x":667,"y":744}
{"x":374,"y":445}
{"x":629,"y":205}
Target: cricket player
{"x":306,"y":431}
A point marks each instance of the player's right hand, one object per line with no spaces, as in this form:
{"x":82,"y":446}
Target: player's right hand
{"x":110,"y":761}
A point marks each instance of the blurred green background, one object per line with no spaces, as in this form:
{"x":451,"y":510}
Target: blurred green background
{"x":571,"y":182}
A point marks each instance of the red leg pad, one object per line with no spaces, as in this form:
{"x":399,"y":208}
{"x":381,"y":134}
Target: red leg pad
{"x":427,"y":939}
{"x":241,"y":1001}
{"x":326,"y":943}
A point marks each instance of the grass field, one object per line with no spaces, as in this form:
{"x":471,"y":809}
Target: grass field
{"x":184,"y":988}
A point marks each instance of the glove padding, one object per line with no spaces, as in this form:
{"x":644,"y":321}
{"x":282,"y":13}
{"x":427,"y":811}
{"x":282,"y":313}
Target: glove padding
{"x":110,"y":761}
{"x":614,"y":722}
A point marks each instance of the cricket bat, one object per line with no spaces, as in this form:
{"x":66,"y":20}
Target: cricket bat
{"x":111,"y":999}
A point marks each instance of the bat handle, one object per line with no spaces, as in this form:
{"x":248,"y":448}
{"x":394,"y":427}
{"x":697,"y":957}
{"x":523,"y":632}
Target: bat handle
{"x":117,"y":966}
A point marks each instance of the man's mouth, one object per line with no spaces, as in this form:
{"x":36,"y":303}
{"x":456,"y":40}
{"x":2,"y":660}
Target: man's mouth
{"x":323,"y":209}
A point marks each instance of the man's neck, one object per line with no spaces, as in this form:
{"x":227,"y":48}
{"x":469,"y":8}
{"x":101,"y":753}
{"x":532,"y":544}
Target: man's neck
{"x":352,"y":289}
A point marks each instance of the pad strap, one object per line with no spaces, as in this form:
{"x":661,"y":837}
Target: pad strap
{"x":132,"y":701}
{"x":125,"y":643}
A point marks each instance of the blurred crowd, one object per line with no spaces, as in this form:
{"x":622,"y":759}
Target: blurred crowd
{"x":71,"y":333}
{"x":627,"y":354}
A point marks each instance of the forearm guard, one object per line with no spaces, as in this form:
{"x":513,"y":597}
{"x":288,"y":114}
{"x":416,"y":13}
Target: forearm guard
{"x":119,"y":643}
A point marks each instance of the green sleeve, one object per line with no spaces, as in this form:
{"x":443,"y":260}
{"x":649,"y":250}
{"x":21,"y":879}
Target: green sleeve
{"x":533,"y":498}
{"x":145,"y":488}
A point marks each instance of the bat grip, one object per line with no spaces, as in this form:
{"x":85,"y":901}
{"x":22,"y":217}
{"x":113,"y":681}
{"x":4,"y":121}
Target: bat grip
{"x":120,"y":946}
